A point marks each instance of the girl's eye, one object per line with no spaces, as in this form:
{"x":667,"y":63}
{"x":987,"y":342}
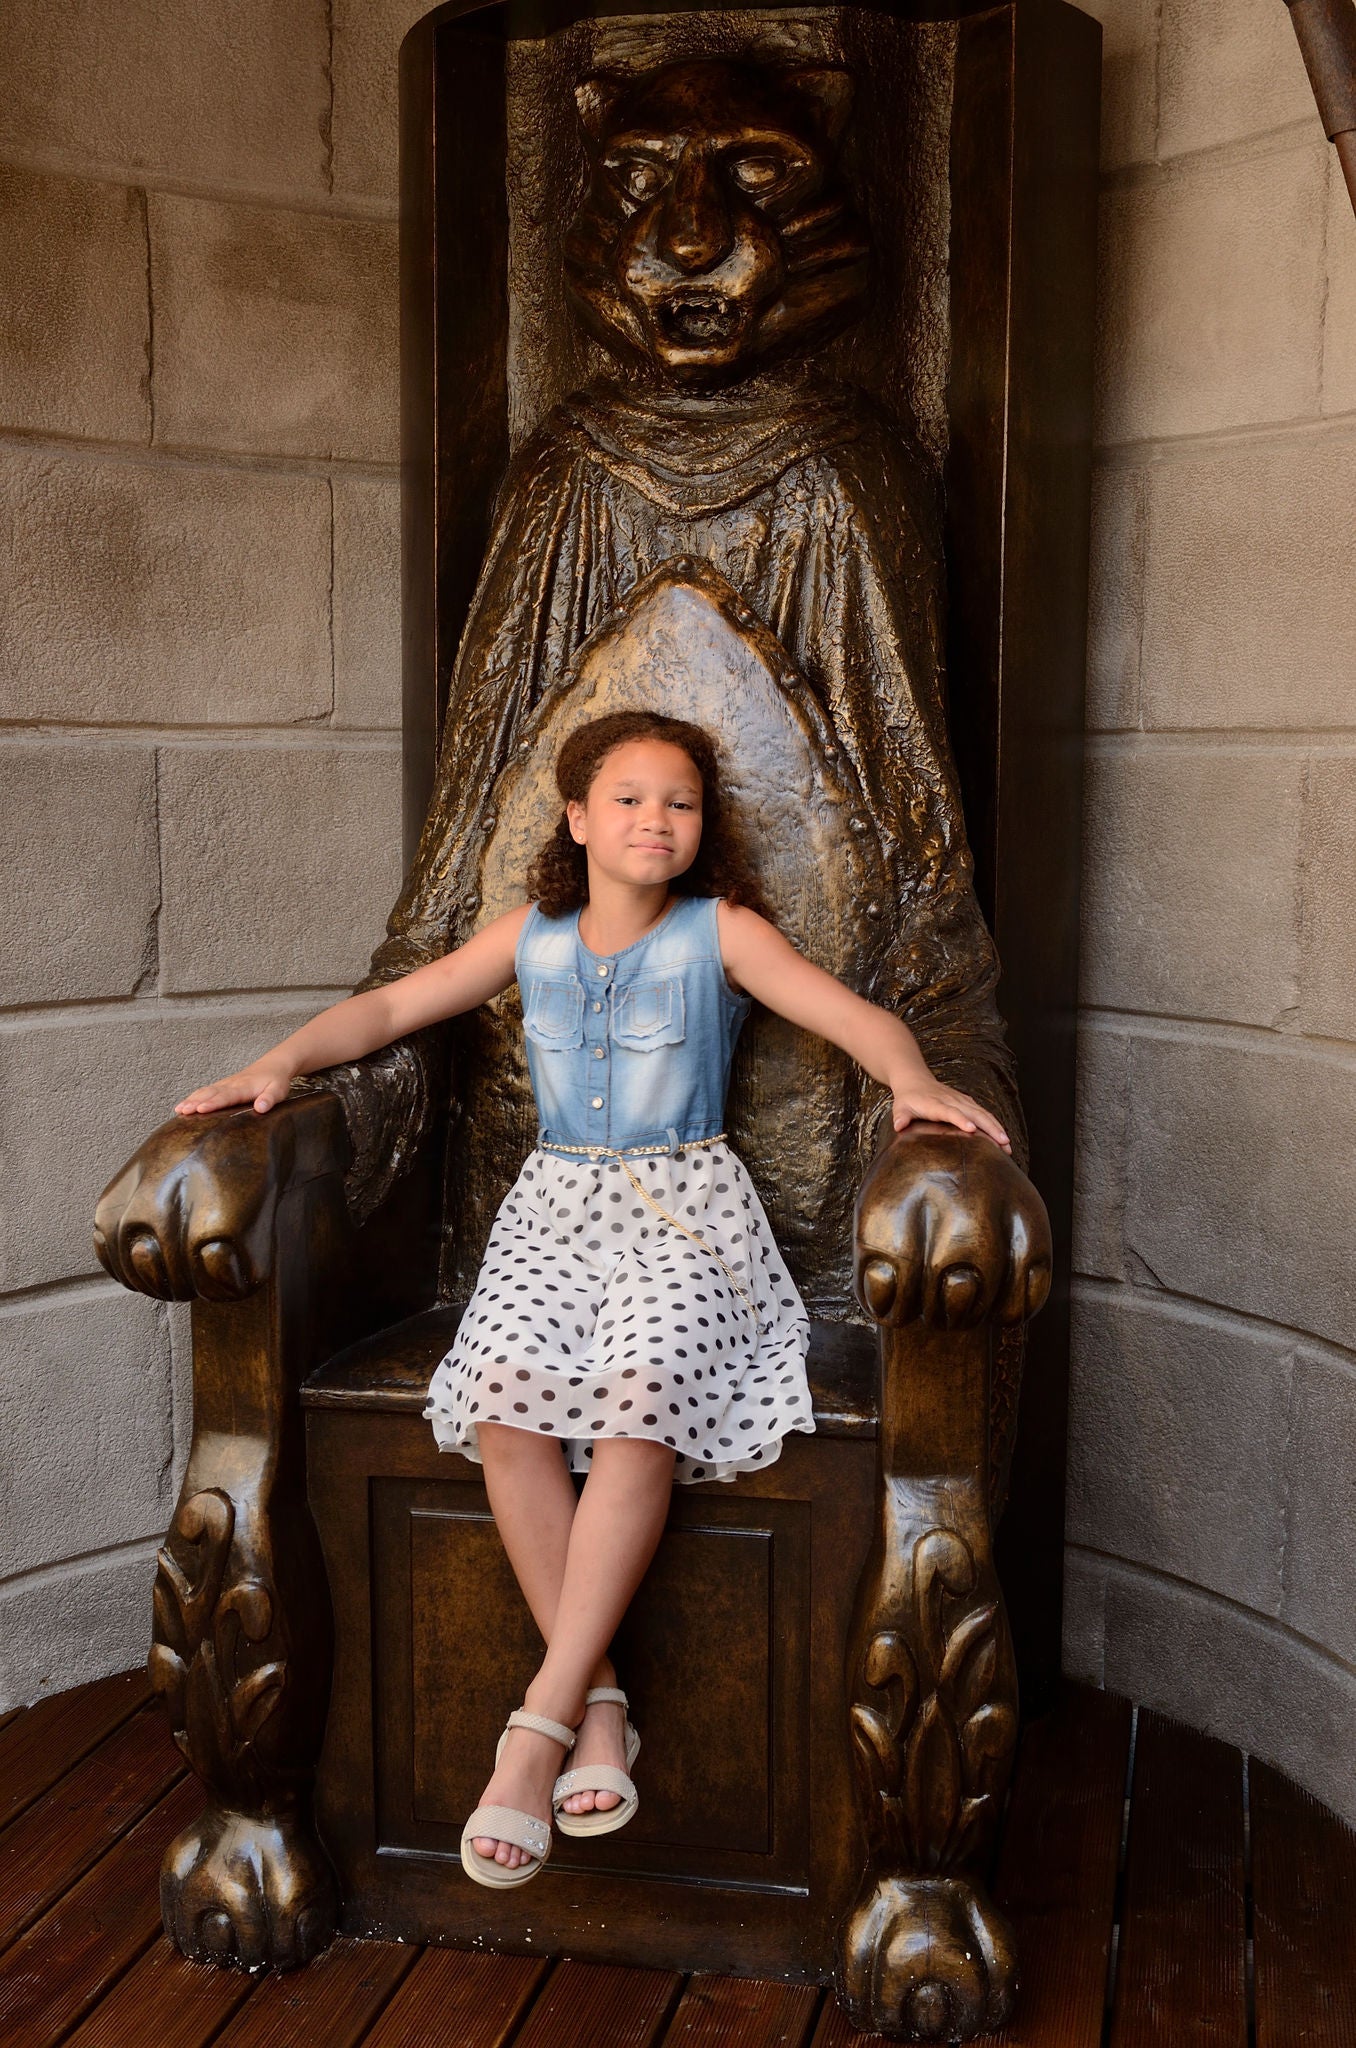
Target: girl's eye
{"x":676,"y":803}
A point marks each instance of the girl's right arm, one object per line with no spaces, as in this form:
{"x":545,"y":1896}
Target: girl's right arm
{"x":460,"y":981}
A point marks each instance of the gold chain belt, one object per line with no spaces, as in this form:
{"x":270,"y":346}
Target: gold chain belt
{"x":635,"y":1151}
{"x":631,"y":1151}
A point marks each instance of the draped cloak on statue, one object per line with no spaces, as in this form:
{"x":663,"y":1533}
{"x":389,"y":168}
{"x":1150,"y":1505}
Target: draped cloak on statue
{"x":804,"y":498}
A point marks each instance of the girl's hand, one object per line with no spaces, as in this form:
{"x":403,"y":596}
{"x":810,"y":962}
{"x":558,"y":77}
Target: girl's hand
{"x":262,"y":1084}
{"x":931,"y":1101}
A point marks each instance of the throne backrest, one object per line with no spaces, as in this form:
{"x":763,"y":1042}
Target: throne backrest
{"x":812,"y":832}
{"x":683,"y":643}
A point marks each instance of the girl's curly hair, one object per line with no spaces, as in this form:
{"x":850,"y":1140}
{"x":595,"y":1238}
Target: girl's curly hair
{"x":558,"y":878}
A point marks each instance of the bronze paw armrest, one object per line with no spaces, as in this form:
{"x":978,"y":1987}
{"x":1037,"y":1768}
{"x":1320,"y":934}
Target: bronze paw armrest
{"x":243,"y":1215}
{"x":952,"y":1240}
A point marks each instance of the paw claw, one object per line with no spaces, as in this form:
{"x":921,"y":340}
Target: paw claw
{"x":879,"y":1285}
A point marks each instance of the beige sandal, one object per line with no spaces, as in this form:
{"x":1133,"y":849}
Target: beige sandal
{"x":510,"y":1823}
{"x":599,"y":1778}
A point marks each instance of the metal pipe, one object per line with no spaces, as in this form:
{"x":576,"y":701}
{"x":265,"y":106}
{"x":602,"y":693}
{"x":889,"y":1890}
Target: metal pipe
{"x":1327,"y":38}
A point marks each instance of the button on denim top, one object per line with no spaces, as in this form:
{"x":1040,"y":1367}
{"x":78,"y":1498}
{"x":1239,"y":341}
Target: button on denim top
{"x":634,"y":1047}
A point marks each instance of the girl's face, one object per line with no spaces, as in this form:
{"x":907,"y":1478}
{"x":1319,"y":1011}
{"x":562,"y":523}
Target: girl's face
{"x":642,"y":819}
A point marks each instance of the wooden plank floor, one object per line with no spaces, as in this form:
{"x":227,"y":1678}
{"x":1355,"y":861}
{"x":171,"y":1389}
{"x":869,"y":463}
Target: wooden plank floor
{"x":1167,"y":1893}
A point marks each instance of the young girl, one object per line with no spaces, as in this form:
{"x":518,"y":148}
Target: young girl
{"x":633,"y":1318}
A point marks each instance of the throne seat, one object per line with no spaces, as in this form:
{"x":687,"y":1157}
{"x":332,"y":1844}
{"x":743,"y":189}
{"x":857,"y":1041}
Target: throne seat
{"x":388,"y":1373}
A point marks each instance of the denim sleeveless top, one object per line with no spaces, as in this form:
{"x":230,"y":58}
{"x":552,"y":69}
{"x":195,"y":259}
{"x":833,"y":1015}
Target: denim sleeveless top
{"x":633,"y":1047}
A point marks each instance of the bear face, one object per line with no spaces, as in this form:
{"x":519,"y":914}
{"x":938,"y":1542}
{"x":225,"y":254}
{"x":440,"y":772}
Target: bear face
{"x":714,"y":235}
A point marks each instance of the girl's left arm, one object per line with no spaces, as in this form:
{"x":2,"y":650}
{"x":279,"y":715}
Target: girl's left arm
{"x":760,"y":960}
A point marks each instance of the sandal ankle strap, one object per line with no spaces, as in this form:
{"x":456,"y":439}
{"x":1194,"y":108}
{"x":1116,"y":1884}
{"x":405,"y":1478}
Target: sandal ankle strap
{"x":609,"y":1693}
{"x":539,"y":1723}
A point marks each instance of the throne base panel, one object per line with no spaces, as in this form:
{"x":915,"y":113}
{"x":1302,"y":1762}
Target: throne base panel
{"x":745,"y":1853}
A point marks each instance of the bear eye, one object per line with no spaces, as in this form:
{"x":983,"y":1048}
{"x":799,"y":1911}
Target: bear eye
{"x":640,"y":177}
{"x":757,"y":174}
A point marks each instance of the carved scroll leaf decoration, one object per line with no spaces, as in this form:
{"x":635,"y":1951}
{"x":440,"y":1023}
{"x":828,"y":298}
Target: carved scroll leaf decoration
{"x":184,"y":1599}
{"x":932,"y":1757}
{"x":246,"y":1609}
{"x":217,"y":1701}
{"x":942,"y":1564}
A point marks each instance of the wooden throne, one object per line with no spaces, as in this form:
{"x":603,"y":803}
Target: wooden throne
{"x":820,"y":1657}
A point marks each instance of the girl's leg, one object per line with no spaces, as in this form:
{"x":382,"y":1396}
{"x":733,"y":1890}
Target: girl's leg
{"x":615,"y":1531}
{"x":533,"y":1500}
{"x":617,"y":1526}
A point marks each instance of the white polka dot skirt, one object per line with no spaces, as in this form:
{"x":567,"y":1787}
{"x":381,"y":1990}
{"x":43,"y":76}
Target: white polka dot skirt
{"x":593,"y":1317}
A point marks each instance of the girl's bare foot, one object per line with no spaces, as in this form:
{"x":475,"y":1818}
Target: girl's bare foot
{"x":523,"y":1778}
{"x":601,"y":1739}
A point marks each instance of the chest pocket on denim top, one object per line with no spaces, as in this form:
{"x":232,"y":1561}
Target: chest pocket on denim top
{"x":553,"y":1013}
{"x":648,"y":1014}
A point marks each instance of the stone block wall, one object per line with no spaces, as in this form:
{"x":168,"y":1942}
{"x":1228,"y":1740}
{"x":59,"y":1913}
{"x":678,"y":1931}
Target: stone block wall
{"x":199,"y":683}
{"x":1212,"y":1480}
